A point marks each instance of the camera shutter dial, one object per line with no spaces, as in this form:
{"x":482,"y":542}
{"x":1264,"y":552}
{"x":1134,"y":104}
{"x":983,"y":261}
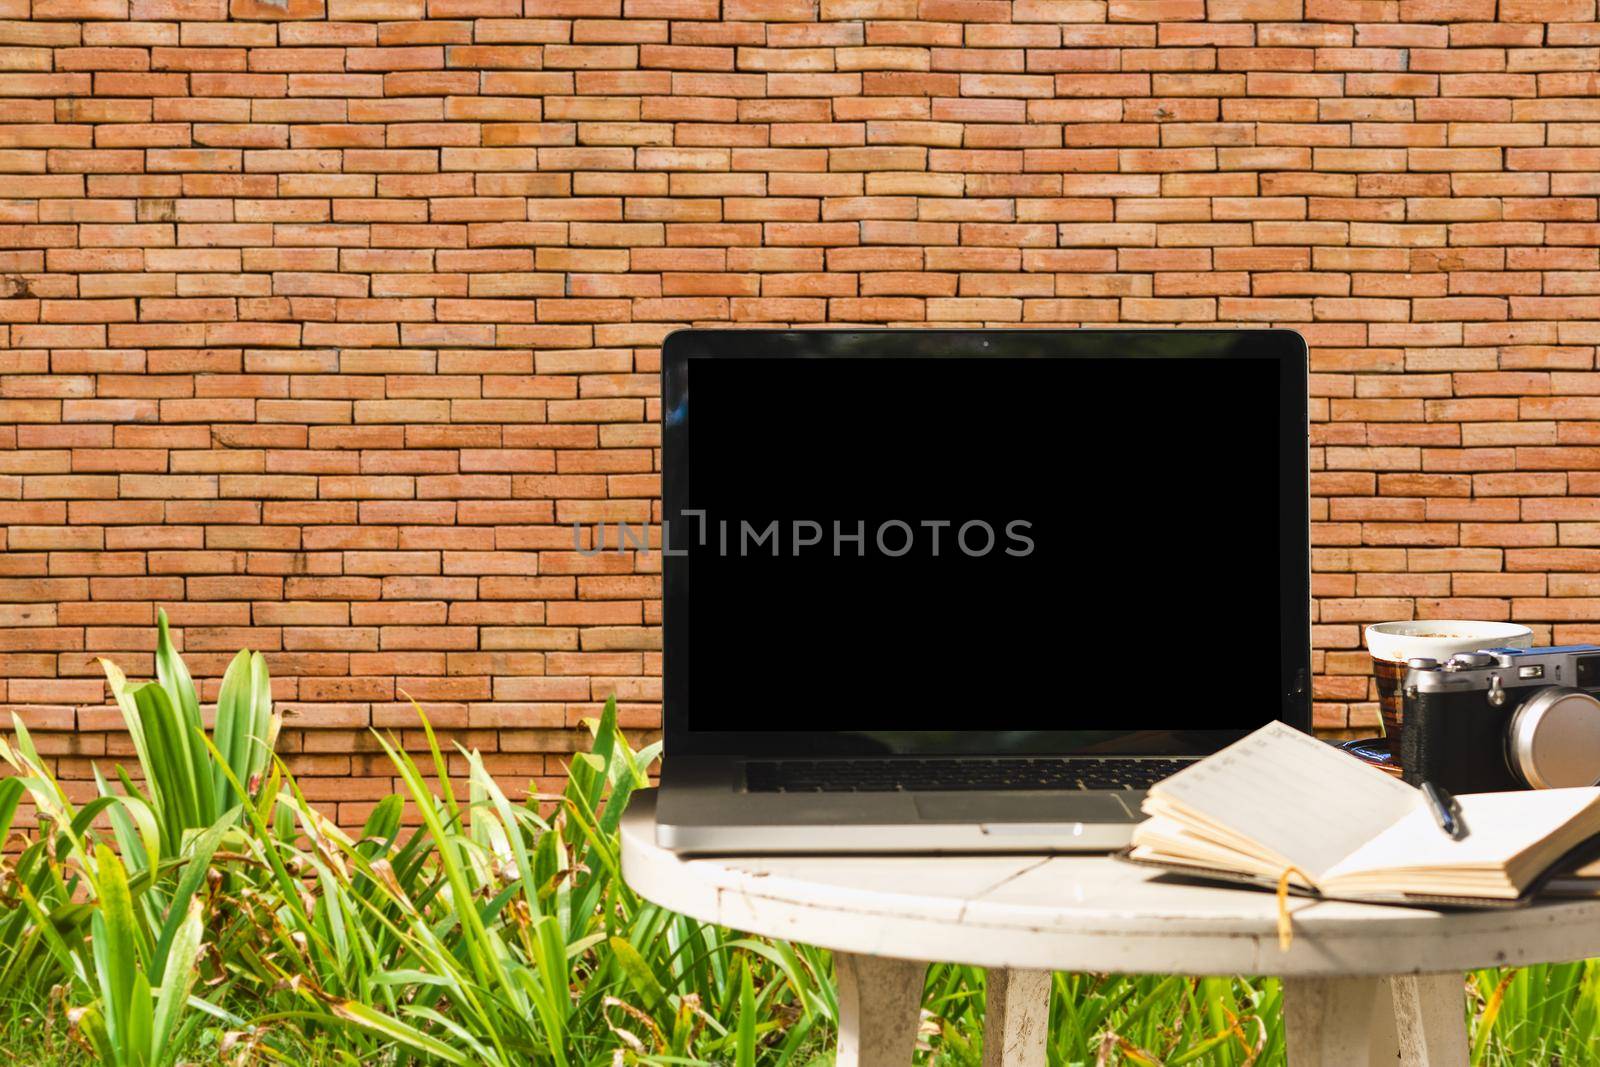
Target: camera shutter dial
{"x":1553,"y":740}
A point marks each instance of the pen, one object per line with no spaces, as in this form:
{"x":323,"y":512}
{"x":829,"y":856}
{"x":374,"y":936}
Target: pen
{"x":1446,"y":811}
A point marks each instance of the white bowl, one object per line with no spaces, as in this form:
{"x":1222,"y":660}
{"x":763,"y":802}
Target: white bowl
{"x":1442,"y":638}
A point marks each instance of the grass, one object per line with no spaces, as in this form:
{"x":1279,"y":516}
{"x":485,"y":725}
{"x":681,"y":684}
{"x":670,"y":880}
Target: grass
{"x":203,"y":911}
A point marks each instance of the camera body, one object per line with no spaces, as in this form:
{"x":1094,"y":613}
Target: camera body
{"x":1503,"y":718}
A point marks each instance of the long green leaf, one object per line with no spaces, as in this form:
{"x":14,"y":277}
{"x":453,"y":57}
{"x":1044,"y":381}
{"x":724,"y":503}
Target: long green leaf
{"x":137,"y":1028}
{"x":11,"y":791}
{"x":395,"y":1030}
{"x":170,"y":766}
{"x":263,"y":723}
{"x":173,"y":676}
{"x":133,"y":720}
{"x":552,"y":1003}
{"x":177,"y":978}
{"x":637,"y":971}
{"x":235,"y":715}
{"x":745,"y":1053}
{"x":116,"y":954}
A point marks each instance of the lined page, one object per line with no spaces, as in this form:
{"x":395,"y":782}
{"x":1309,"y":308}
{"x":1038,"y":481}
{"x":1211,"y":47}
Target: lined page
{"x":1299,"y":799}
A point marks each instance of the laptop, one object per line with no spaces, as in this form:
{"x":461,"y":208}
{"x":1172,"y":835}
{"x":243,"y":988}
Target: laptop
{"x":971,"y":590}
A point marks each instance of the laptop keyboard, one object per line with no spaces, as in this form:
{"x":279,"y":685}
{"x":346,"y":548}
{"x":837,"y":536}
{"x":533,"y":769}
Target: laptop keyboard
{"x":950,"y":775}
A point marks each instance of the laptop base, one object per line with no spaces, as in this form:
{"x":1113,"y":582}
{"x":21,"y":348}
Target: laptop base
{"x":703,"y":808}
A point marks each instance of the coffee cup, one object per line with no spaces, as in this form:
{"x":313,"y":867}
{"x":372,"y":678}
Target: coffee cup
{"x":1393,"y":643}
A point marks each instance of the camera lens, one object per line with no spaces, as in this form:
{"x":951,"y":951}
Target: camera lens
{"x":1588,"y":671}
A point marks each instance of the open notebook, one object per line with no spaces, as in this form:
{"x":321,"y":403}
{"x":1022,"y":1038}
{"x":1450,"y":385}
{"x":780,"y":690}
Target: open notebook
{"x":1280,"y":800}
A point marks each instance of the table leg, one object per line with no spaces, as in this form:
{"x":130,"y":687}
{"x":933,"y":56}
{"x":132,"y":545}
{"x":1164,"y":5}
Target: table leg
{"x":1433,"y":1028}
{"x":880,"y":1005}
{"x":1016,"y":1022}
{"x":1406,"y":1020}
{"x":1338,"y":1022}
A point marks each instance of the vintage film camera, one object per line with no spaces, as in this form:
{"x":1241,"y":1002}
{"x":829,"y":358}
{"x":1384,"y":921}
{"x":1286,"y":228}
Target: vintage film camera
{"x":1504,"y":718}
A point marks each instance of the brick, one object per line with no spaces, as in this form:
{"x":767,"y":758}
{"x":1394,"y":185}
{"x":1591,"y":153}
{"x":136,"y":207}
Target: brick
{"x":323,"y":318}
{"x":80,"y":9}
{"x":266,"y":10}
{"x":1547,"y":11}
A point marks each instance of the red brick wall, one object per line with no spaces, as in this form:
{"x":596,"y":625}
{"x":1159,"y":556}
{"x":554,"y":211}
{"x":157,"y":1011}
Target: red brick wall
{"x":318,"y":321}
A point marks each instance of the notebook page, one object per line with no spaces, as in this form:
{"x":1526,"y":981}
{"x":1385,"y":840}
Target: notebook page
{"x":1169,"y":841}
{"x":1298,"y":798}
{"x":1500,"y":828}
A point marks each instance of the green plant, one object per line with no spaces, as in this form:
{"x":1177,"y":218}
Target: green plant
{"x":135,"y":1023}
{"x":119,"y":913}
{"x":1548,"y":1014}
{"x":205,"y":900}
{"x":188,"y":785}
{"x":203,"y":910}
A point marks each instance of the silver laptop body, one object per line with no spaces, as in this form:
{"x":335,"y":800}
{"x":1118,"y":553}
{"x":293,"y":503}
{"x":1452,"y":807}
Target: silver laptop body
{"x":705,"y":807}
{"x":1143,"y":602}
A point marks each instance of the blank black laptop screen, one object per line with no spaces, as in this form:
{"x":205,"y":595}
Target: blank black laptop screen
{"x":997,"y":544}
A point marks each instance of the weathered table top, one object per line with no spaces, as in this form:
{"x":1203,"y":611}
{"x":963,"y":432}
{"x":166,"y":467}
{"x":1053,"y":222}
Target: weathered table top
{"x":1080,"y":913}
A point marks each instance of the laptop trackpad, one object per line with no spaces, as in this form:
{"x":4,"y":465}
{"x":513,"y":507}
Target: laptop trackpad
{"x":1023,"y":807}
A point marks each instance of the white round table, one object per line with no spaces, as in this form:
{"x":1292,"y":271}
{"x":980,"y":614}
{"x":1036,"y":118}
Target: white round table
{"x":1362,"y":984}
